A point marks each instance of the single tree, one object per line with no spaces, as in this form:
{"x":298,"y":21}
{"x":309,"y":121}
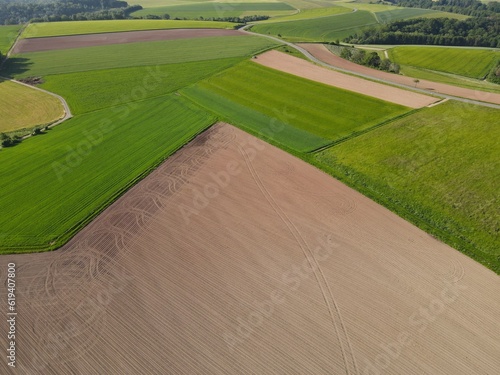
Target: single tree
{"x":416,"y":82}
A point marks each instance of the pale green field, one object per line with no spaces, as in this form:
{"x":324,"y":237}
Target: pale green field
{"x":38,"y":30}
{"x":24,"y":107}
{"x":310,"y":13}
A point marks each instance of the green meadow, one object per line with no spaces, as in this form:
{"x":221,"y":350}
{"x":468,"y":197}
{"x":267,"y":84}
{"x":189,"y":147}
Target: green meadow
{"x":438,"y":168}
{"x":53,"y":184}
{"x":326,"y":113}
{"x":134,"y":54}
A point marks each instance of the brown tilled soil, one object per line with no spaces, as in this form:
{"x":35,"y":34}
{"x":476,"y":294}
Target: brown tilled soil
{"x":299,"y":67}
{"x":88,"y":40}
{"x":322,"y":53}
{"x":234,"y":257}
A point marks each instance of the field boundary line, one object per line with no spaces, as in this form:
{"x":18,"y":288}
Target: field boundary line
{"x":371,"y":128}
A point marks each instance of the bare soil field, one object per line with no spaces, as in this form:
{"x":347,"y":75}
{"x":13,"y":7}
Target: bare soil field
{"x":322,"y":53}
{"x":234,"y":257}
{"x":299,"y":67}
{"x":89,"y":40}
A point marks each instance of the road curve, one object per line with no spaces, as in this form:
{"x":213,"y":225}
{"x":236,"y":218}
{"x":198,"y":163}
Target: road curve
{"x":67,"y":111}
{"x":367,"y":76}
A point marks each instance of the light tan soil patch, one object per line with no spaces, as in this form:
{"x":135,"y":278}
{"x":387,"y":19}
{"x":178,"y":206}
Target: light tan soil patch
{"x":234,"y":257}
{"x":89,"y":40}
{"x":299,"y":67}
{"x":322,"y":53}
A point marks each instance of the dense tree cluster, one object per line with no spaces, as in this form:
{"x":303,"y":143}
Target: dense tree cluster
{"x":16,"y":11}
{"x":473,"y":8}
{"x":371,"y":59}
{"x":494,"y":75}
{"x":434,"y":31}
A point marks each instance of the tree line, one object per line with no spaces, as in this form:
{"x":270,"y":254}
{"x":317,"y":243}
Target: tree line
{"x":15,"y":12}
{"x":477,"y":32}
{"x":472,"y":8}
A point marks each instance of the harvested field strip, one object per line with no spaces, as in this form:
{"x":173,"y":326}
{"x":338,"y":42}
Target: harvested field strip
{"x":228,"y":289}
{"x":89,"y":40}
{"x":324,"y":29}
{"x":65,"y":178}
{"x":24,"y":107}
{"x":305,"y":69}
{"x":321,"y":110}
{"x":321,"y":53}
{"x":97,"y":89}
{"x":412,"y":168}
{"x":134,"y":54}
{"x":44,"y":29}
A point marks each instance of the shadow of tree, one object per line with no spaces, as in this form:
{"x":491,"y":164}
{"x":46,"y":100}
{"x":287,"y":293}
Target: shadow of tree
{"x":15,"y":66}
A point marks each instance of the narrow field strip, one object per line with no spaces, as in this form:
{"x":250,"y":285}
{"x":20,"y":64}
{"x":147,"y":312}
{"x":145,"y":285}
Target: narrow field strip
{"x":88,"y":40}
{"x":305,"y":69}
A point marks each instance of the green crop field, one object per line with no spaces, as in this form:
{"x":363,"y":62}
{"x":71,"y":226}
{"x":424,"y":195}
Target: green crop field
{"x":451,"y":79}
{"x":7,"y":36}
{"x":402,"y":13}
{"x":217,"y":9}
{"x":24,"y":107}
{"x":134,"y":54}
{"x":325,"y":112}
{"x":309,"y":13}
{"x":468,"y":62}
{"x":323,"y":29}
{"x":53,"y":184}
{"x":38,"y":30}
{"x":92,"y":90}
{"x":438,"y":168}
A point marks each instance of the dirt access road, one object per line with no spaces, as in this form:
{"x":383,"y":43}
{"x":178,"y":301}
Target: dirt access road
{"x":211,"y":266}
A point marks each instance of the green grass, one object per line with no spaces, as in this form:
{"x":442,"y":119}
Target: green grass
{"x":54,"y":184}
{"x":134,"y":54}
{"x":324,"y":29}
{"x":89,"y":91}
{"x":39,"y":30}
{"x":23,"y":107}
{"x":217,"y":9}
{"x":315,"y":114}
{"x":438,"y":168}
{"x":451,"y":79}
{"x":309,"y":13}
{"x":468,"y":62}
{"x":8,"y":35}
{"x":401,"y":14}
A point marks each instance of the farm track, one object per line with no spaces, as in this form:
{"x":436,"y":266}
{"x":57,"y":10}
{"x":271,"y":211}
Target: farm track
{"x":67,"y":110}
{"x":89,"y":40}
{"x":146,"y":289}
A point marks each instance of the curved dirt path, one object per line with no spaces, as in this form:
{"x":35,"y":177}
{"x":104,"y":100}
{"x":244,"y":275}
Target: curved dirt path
{"x":67,"y":111}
